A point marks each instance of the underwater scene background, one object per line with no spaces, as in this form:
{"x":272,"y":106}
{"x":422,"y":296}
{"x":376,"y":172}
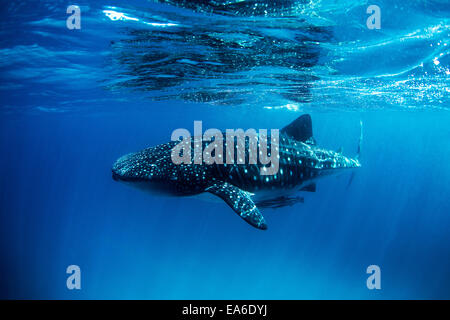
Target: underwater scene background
{"x":73,"y":101}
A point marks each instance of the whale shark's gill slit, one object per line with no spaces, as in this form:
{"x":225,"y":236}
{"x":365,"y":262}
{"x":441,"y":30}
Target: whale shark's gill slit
{"x":240,"y":180}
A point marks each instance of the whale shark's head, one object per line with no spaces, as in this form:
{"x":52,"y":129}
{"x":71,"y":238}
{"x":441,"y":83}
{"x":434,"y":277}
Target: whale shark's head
{"x":132,"y":167}
{"x":140,"y":170}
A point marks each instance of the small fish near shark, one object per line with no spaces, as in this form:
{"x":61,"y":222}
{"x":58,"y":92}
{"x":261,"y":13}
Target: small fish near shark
{"x":242,"y":186}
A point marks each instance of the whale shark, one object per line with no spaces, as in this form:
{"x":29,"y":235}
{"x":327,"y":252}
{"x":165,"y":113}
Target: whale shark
{"x":243,"y":187}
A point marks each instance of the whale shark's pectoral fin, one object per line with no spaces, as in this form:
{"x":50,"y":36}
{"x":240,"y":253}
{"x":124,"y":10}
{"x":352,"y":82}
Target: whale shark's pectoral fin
{"x":240,"y":201}
{"x":300,"y":129}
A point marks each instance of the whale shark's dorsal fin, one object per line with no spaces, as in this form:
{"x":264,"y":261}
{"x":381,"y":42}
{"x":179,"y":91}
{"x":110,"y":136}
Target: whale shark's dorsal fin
{"x":300,"y":129}
{"x":240,"y":201}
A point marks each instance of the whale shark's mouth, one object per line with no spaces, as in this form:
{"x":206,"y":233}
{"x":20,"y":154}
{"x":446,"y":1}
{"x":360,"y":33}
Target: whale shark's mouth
{"x":125,"y":178}
{"x":115,"y":176}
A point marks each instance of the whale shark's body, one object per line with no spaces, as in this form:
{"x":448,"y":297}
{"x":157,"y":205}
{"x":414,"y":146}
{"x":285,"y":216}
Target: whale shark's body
{"x":241,"y":186}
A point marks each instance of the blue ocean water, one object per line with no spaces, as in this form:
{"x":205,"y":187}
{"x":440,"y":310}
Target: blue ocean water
{"x":73,"y":101}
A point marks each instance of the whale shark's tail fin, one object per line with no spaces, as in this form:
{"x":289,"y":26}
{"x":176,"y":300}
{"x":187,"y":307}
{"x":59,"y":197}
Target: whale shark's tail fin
{"x":358,"y":152}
